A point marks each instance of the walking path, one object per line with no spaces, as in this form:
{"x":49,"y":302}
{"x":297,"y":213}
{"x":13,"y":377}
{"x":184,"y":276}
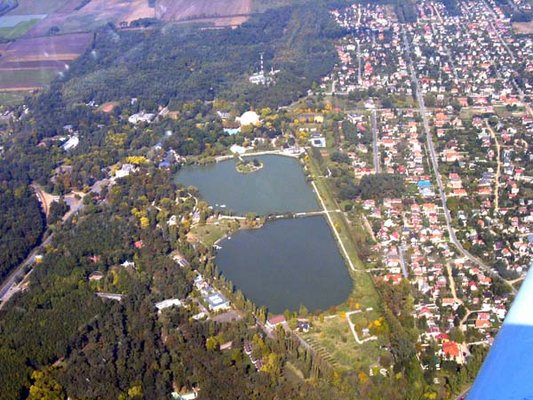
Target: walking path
{"x":335,"y":231}
{"x":368,"y":227}
{"x":452,"y":284}
{"x":259,"y":153}
{"x":352,"y":328}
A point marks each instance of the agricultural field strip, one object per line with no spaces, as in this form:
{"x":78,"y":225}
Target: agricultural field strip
{"x":10,"y":21}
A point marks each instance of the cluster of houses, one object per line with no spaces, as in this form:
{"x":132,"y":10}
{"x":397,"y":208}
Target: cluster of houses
{"x":249,"y":350}
{"x":466,"y":67}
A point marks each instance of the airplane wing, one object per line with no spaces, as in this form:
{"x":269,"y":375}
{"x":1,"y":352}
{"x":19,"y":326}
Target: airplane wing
{"x":507,"y":372}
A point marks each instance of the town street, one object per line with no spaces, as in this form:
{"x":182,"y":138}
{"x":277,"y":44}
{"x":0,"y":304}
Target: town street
{"x":435,"y":166}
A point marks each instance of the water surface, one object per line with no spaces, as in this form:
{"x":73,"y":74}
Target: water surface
{"x":279,"y":187}
{"x":287,"y":263}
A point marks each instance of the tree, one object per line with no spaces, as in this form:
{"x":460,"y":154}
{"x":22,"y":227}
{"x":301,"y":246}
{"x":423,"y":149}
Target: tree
{"x":57,"y":210}
{"x":45,"y":386}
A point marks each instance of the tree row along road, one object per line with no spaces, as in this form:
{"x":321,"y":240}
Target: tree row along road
{"x":337,"y":236}
{"x":10,"y":285}
{"x":434,"y":163}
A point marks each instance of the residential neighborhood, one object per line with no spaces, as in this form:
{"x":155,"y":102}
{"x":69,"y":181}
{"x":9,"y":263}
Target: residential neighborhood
{"x":480,"y":123}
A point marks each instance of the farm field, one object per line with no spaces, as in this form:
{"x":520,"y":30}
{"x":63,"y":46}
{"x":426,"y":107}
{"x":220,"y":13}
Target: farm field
{"x":16,"y":31}
{"x":26,"y":7}
{"x":217,"y":12}
{"x":55,"y":48}
{"x":25,"y":79}
{"x":13,"y":20}
{"x":263,"y":5}
{"x":94,"y":14}
{"x":14,"y":26}
{"x":35,"y":57}
{"x":31,"y":63}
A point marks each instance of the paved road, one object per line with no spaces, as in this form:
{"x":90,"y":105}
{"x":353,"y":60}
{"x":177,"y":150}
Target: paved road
{"x":10,"y":285}
{"x":402,"y":261}
{"x":521,"y":94}
{"x":434,"y":164}
{"x":375,"y":147}
{"x":359,"y":64}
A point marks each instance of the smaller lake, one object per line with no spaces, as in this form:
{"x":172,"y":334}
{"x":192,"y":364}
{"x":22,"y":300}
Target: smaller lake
{"x":287,"y":263}
{"x":279,"y":187}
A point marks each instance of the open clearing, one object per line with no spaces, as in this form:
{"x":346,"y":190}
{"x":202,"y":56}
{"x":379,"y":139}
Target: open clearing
{"x":218,"y":12}
{"x":330,"y":336}
{"x":523,"y":28}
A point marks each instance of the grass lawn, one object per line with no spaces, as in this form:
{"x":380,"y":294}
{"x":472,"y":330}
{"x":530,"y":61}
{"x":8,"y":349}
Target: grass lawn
{"x":214,"y":230}
{"x":332,"y":337}
{"x":209,"y":233}
{"x":333,"y":340}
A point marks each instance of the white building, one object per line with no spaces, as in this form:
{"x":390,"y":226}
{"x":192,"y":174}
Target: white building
{"x":71,"y":143}
{"x":125,"y":170}
{"x":217,"y":302}
{"x":141,"y":117}
{"x":249,"y":118}
{"x":318,"y":141}
{"x":168,"y":303}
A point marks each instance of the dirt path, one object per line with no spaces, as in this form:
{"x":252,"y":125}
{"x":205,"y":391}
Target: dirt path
{"x":354,"y":332}
{"x":369,"y":228}
{"x":45,"y":198}
{"x":452,"y":284}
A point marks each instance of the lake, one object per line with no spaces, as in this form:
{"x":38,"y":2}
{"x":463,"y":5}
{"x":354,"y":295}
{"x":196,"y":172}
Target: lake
{"x":279,"y":187}
{"x":287,"y":263}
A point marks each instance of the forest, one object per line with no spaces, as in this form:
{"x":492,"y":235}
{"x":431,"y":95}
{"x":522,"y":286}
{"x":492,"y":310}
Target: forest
{"x":180,"y":63}
{"x":201,"y":56}
{"x":375,"y":187}
{"x":21,"y":220}
{"x":60,"y":340}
